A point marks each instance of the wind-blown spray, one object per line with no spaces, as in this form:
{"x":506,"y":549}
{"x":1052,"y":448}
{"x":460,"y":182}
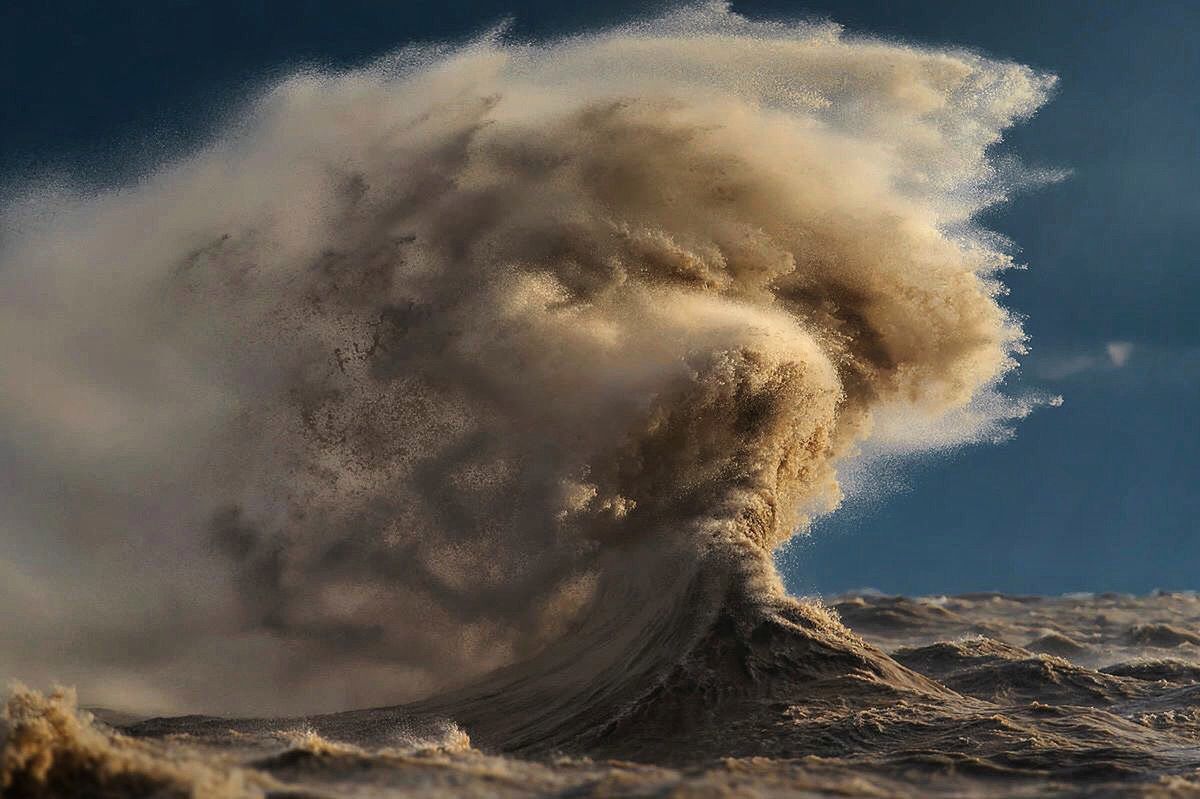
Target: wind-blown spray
{"x":426,"y":368}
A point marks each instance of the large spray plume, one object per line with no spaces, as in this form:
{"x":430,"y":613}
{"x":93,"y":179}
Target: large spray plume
{"x":372,"y":394}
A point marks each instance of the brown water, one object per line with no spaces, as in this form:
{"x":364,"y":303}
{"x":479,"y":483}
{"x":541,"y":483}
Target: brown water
{"x":982,"y":695}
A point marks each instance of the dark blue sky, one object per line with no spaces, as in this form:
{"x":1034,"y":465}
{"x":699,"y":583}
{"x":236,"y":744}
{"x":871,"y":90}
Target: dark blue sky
{"x":1099,"y":494}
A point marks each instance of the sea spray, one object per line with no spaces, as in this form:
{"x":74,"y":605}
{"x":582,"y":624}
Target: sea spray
{"x":435,"y":366}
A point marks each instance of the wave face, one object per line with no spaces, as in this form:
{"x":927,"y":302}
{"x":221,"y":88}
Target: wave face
{"x":494,"y":354}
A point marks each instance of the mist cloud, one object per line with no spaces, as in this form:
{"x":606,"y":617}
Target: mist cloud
{"x":370,"y":395}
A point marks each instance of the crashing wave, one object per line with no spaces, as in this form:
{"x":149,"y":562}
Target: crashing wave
{"x":501,"y":353}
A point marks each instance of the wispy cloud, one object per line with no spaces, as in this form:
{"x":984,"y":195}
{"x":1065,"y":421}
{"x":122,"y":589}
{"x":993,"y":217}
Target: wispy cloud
{"x":1119,"y":352}
{"x":1113,"y":355}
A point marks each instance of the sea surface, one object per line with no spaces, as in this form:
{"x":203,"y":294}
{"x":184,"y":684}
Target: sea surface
{"x":970,"y":695}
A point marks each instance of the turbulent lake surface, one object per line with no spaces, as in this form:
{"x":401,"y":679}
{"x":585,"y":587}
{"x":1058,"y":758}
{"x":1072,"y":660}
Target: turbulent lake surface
{"x":981,"y":694}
